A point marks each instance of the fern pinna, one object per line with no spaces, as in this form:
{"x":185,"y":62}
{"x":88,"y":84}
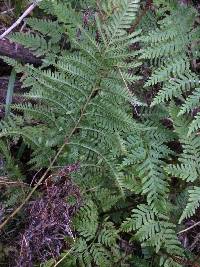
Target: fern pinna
{"x":78,"y":109}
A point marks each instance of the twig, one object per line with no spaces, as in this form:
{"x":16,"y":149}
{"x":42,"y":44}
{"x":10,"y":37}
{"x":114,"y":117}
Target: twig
{"x":189,"y":228}
{"x":7,"y":11}
{"x":34,"y":177}
{"x":19,"y":20}
{"x":13,"y":183}
{"x":6,"y":181}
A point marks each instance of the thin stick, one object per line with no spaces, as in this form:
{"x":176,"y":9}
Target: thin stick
{"x":6,"y":11}
{"x":19,"y":20}
{"x":13,"y":183}
{"x":189,"y":228}
{"x":65,"y":255}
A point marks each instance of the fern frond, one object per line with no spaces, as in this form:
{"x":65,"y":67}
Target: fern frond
{"x":47,"y":28}
{"x":169,"y":69}
{"x":106,"y":198}
{"x":192,"y":205}
{"x":34,"y":42}
{"x":146,"y":154}
{"x":153,"y":229}
{"x":12,"y":62}
{"x":191,"y":102}
{"x":108,"y":235}
{"x":101,"y":256}
{"x":175,"y":87}
{"x":195,"y":125}
{"x":189,"y":165}
{"x":37,"y":111}
{"x":87,"y":221}
{"x":122,"y":20}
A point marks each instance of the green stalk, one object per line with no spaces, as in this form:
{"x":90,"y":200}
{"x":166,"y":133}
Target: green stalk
{"x":10,"y":91}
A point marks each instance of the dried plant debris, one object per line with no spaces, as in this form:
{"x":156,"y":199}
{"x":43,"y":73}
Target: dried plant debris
{"x":49,"y":223}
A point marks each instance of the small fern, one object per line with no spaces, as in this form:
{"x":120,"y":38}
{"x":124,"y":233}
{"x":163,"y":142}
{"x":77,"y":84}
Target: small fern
{"x":153,"y":229}
{"x":168,"y":46}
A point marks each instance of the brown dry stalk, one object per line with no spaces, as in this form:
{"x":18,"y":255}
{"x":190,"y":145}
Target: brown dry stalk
{"x":181,"y":260}
{"x":184,"y":261}
{"x":4,"y":181}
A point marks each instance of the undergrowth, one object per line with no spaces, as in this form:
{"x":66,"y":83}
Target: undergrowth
{"x":107,"y":166}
